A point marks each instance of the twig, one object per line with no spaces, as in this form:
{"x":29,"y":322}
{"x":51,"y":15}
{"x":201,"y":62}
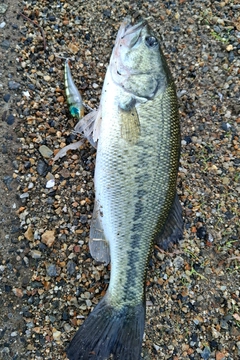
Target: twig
{"x":40,"y":28}
{"x":233,"y":258}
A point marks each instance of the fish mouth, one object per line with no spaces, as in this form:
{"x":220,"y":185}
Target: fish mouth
{"x":129,"y":34}
{"x":131,"y":29}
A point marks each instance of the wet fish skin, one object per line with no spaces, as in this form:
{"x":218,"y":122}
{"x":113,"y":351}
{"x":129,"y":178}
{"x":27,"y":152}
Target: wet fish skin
{"x":138,"y":151}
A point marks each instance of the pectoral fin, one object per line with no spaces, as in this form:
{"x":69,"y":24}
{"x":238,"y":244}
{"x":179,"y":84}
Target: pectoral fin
{"x":130,"y":125}
{"x":173,"y":229}
{"x":98,"y":245}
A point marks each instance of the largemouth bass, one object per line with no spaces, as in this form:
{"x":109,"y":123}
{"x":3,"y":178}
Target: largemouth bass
{"x":137,"y":134}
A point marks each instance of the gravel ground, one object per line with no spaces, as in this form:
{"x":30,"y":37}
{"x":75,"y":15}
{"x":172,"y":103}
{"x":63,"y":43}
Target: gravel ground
{"x":48,"y":280}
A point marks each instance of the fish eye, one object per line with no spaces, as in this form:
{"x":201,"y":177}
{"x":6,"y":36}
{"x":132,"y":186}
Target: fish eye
{"x":151,"y":41}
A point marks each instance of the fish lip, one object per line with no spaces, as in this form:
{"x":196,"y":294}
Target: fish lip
{"x":130,"y":29}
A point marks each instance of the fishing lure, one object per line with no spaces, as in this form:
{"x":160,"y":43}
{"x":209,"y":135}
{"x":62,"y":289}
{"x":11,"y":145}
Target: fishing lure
{"x":74,"y":98}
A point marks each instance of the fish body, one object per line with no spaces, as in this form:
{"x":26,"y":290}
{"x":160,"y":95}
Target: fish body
{"x":138,"y":146}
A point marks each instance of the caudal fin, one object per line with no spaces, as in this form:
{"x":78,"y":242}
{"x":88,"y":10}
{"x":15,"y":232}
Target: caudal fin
{"x":109,"y":331}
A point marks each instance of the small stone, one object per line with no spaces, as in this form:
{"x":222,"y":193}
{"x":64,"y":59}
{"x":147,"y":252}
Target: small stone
{"x":52,"y":18}
{"x":220,"y":355}
{"x":10,"y":119}
{"x":7,"y":181}
{"x":48,"y":237}
{"x":107,"y":13}
{"x":225,"y":180}
{"x":95,"y":86}
{"x":29,"y":234}
{"x":3,"y":8}
{"x":206,"y":353}
{"x":5,"y":44}
{"x":201,"y":232}
{"x":60,"y":99}
{"x":42,"y":167}
{"x":229,"y":47}
{"x":71,"y":267}
{"x":18,"y":292}
{"x":73,"y":48}
{"x":178,"y":262}
{"x":8,"y":288}
{"x":35,"y":254}
{"x":31,"y":86}
{"x":2,"y":25}
{"x":47,"y":78}
{"x":236,"y":317}
{"x":30,"y":185}
{"x":225,"y":126}
{"x":24,"y":195}
{"x":65,"y":173}
{"x":45,"y":151}
{"x":56,"y":334}
{"x":13,"y":85}
{"x":67,"y":327}
{"x":6,"y":97}
{"x":52,"y":270}
{"x":14,"y":334}
{"x":50,"y":183}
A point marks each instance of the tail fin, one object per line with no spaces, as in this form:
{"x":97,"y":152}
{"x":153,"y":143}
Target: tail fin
{"x":109,"y":331}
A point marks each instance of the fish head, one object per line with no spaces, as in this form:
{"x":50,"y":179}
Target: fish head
{"x":137,"y":63}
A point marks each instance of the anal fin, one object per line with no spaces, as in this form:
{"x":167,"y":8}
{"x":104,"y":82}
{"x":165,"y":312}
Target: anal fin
{"x":98,"y":245}
{"x":173,"y":228}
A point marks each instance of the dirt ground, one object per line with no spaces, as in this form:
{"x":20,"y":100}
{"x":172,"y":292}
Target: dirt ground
{"x":193,"y":293}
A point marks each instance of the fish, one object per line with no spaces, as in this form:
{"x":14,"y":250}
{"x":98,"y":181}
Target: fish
{"x":136,"y":131}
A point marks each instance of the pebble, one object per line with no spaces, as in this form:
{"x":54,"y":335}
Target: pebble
{"x":52,"y":270}
{"x":201,"y":232}
{"x":226,"y":126}
{"x":24,"y":195}
{"x":35,"y":254}
{"x":42,"y":167}
{"x":206,"y":353}
{"x":3,"y":8}
{"x":13,"y":85}
{"x":56,"y":334}
{"x":30,"y":185}
{"x":50,"y":183}
{"x":71,"y":266}
{"x":29,"y":234}
{"x":5,"y":44}
{"x":6,"y":97}
{"x":10,"y":119}
{"x":48,"y":237}
{"x":2,"y":25}
{"x":7,"y":181}
{"x":47,"y":78}
{"x":14,"y":334}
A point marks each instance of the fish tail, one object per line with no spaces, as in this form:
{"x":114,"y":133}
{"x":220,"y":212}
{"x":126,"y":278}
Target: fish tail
{"x":109,"y":331}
